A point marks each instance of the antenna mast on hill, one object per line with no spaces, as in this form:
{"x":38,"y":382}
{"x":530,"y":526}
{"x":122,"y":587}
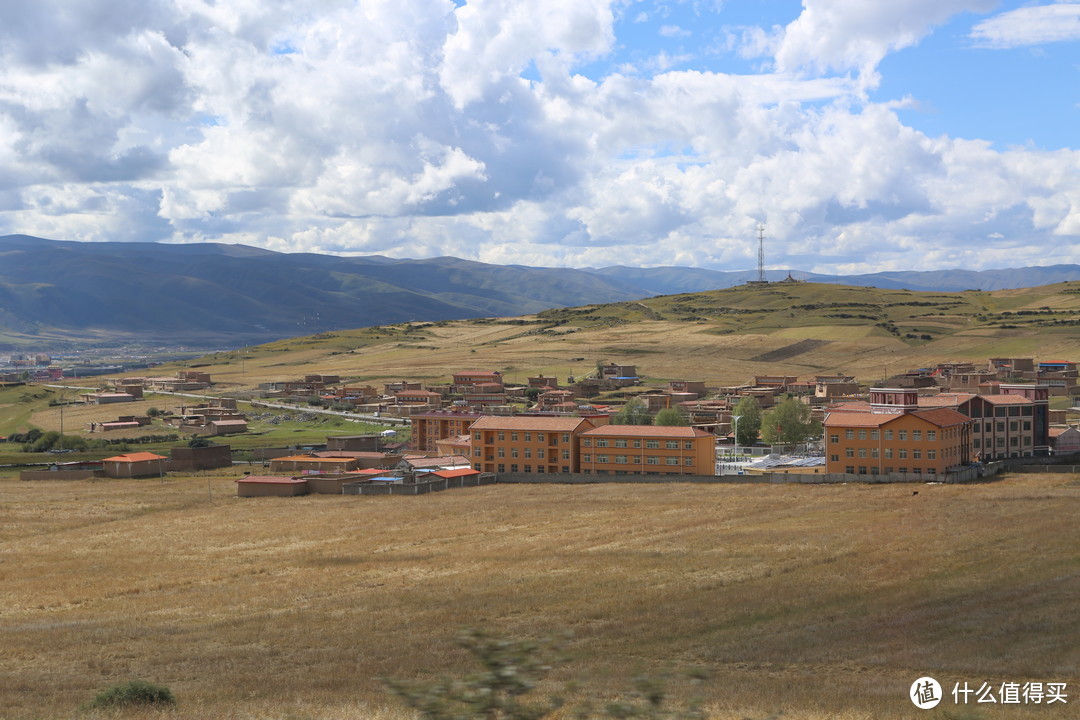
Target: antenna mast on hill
{"x":761,"y":254}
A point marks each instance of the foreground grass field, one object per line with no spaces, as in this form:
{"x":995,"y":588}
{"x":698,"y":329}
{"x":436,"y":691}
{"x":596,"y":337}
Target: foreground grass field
{"x":814,"y":601}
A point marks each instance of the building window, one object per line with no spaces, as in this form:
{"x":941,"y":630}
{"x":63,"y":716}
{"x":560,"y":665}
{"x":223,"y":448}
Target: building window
{"x":916,"y":454}
{"x":566,"y":437}
{"x":601,"y":442}
{"x":976,"y":442}
{"x":688,"y":461}
{"x":477,"y":452}
{"x":652,"y":444}
{"x":502,"y":452}
{"x":671,"y":444}
{"x":888,"y":434}
{"x":931,"y":435}
{"x":688,"y":445}
{"x":903,"y":453}
{"x":834,"y":458}
{"x":901,"y":434}
{"x":528,"y":452}
{"x":527,"y":468}
{"x":849,"y":452}
{"x":874,"y":434}
{"x":916,"y":435}
{"x":862,"y":452}
{"x":850,"y":469}
{"x":565,"y":454}
{"x":862,"y":434}
{"x":931,"y":454}
{"x":513,"y":437}
{"x":540,"y":453}
{"x":586,"y":458}
{"x":888,"y":453}
{"x":672,"y":460}
{"x":621,"y":443}
{"x":513,"y":467}
{"x":586,"y":442}
{"x":620,"y":459}
{"x":652,"y":460}
{"x":528,"y":437}
{"x":540,"y":437}
{"x":849,"y":434}
{"x":834,"y":438}
{"x":601,"y":458}
{"x":502,"y":468}
{"x":502,"y":435}
{"x":476,"y":436}
{"x":873,"y":452}
{"x":637,"y":443}
{"x":513,"y":452}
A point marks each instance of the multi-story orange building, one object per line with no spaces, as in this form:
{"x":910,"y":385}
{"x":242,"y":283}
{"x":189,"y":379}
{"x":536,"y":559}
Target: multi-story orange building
{"x":892,"y":435}
{"x":429,"y":427}
{"x":647,"y":450}
{"x":528,"y":444}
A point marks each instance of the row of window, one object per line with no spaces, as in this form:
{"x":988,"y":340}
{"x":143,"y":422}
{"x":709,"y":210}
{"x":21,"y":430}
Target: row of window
{"x":526,"y":436}
{"x":635,"y":459}
{"x":526,"y":452}
{"x":649,"y":444}
{"x":1000,"y":442}
{"x":901,"y":453}
{"x":916,"y":435}
{"x":1013,"y":426}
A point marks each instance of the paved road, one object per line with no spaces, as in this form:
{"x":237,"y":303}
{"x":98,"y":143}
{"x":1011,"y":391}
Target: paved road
{"x":355,"y":417}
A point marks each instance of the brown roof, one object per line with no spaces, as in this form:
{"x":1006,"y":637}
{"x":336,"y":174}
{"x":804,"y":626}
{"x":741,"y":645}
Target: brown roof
{"x":944,"y":399}
{"x":356,"y":454}
{"x":1006,"y":399}
{"x":271,"y":480}
{"x":943,"y":417}
{"x":659,"y":431}
{"x":439,"y":461}
{"x":312,"y":458}
{"x":495,"y":422}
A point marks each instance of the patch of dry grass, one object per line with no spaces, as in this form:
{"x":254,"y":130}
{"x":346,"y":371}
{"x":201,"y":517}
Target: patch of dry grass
{"x":819,"y":601}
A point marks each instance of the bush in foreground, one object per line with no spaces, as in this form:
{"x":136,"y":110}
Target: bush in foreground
{"x":135,"y":692}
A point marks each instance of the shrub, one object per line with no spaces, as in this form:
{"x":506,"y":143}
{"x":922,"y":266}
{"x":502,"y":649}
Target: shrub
{"x":134,"y":692}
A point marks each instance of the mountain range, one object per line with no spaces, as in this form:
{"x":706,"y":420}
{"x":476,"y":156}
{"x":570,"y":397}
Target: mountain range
{"x":60,"y":292}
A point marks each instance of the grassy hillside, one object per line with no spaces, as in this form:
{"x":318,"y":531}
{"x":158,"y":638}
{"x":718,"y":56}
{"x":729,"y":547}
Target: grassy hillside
{"x":722,"y":336}
{"x":814,"y":601}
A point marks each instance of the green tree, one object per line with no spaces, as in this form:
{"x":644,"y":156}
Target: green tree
{"x":632,"y":413}
{"x":671,"y":416}
{"x":749,"y":412}
{"x":789,"y":423}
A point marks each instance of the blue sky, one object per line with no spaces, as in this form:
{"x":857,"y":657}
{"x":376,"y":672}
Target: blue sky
{"x":865,"y":136}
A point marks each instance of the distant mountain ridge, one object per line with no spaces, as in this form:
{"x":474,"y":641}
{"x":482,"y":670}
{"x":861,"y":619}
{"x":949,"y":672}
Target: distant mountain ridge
{"x":214,"y":293}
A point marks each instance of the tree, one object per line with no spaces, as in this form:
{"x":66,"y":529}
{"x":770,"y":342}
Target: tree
{"x":671,"y":416}
{"x":749,"y":425}
{"x":632,"y":413}
{"x":789,"y":423}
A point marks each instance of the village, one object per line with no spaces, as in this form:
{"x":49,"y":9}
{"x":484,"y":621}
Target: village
{"x":952,"y":422}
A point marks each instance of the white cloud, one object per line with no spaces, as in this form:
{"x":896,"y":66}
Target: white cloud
{"x":854,"y":35}
{"x":422,"y":128}
{"x":1030,"y":26}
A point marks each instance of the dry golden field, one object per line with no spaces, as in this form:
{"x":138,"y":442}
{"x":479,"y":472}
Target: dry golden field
{"x":814,"y":601}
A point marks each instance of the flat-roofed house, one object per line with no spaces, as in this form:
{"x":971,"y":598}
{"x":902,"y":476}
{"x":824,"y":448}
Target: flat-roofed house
{"x":134,"y":465}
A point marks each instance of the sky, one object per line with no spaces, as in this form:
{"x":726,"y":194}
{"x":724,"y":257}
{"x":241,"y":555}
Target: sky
{"x":864,"y":136}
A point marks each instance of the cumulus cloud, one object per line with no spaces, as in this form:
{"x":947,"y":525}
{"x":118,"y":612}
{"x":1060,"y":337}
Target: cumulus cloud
{"x":485,"y":130}
{"x":1030,"y":26}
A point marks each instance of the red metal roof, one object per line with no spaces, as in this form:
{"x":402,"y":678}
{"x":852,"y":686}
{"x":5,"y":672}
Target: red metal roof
{"x":667,"y":431}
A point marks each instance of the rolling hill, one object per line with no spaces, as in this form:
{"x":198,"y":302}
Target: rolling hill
{"x":721,"y":336}
{"x":57,"y":293}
